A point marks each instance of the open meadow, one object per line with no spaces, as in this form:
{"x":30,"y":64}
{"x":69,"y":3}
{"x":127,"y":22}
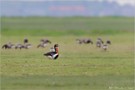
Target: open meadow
{"x":79,"y":67}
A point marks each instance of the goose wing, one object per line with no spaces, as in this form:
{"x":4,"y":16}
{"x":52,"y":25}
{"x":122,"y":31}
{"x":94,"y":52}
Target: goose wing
{"x":50,"y":53}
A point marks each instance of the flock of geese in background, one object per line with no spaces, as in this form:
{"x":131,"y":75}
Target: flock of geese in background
{"x":99,"y":43}
{"x":53,"y":54}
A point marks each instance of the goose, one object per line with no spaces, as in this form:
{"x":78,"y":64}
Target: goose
{"x":87,"y":41}
{"x":43,"y":43}
{"x":21,"y":46}
{"x":53,"y":54}
{"x":5,"y":46}
{"x":99,"y":44}
{"x":8,"y":46}
{"x":105,"y":47}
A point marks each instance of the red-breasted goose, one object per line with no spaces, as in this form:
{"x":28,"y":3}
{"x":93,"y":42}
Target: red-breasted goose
{"x":53,"y":54}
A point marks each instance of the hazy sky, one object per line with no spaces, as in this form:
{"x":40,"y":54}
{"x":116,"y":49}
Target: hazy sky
{"x":132,"y":2}
{"x":121,"y":2}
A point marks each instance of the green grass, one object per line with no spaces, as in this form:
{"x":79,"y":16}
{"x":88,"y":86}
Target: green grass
{"x":63,"y":26}
{"x":62,"y":32}
{"x":48,"y":26}
{"x":79,"y":67}
{"x":69,"y":83}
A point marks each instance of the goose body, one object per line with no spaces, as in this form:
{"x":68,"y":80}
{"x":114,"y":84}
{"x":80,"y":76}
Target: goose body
{"x":21,"y":46}
{"x":85,"y":41}
{"x":43,"y":45}
{"x":8,"y":46}
{"x":45,"y":41}
{"x":52,"y":55}
{"x":27,"y":46}
{"x":98,"y":44}
{"x":105,"y":47}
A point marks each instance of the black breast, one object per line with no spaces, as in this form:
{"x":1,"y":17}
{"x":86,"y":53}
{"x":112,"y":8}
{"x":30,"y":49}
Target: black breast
{"x":56,"y":56}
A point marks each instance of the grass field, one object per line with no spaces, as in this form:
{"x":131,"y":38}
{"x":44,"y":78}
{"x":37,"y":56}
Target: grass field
{"x":79,"y":67}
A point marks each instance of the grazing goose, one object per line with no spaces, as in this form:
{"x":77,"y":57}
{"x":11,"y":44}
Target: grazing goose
{"x":99,"y":44}
{"x":87,"y":41}
{"x":26,"y":44}
{"x":105,"y":47}
{"x":21,"y":46}
{"x":44,"y":43}
{"x":53,"y":54}
{"x":8,"y":46}
{"x":5,"y":46}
